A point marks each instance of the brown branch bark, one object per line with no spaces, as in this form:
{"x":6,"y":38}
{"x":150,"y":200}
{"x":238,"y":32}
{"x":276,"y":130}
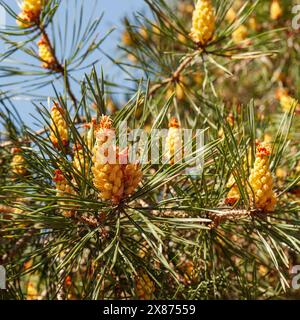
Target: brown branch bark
{"x":216,"y":217}
{"x":228,"y":215}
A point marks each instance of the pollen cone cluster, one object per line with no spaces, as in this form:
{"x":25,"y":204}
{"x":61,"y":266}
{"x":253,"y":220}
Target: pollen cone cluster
{"x":108,"y":174}
{"x":174,"y":141}
{"x":240,"y":34}
{"x":261,"y":181}
{"x":59,"y":128}
{"x":31,"y":10}
{"x":63,"y":189}
{"x":144,"y":250}
{"x":230,"y":15}
{"x":233,"y":195}
{"x":90,"y":134}
{"x":145,"y":287}
{"x":80,"y":161}
{"x":46,"y":54}
{"x":286,"y":101}
{"x":203,"y":24}
{"x":189,"y":271}
{"x":275,"y":10}
{"x":127,"y":38}
{"x":32,"y":293}
{"x":115,"y":179}
{"x":18,"y":163}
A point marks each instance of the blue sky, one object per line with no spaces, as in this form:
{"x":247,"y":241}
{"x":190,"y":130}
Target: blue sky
{"x":114,"y":11}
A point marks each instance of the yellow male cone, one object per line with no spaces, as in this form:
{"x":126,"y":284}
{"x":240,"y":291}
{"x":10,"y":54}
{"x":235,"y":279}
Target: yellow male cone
{"x":108,"y":177}
{"x":286,"y":101}
{"x":203,"y":24}
{"x":145,"y":287}
{"x":240,"y":34}
{"x":80,"y":160}
{"x":261,"y":181}
{"x":18,"y":163}
{"x":275,"y":10}
{"x":233,"y":195}
{"x":59,"y":127}
{"x":174,"y":141}
{"x":63,"y":188}
{"x":31,"y":10}
{"x":46,"y":55}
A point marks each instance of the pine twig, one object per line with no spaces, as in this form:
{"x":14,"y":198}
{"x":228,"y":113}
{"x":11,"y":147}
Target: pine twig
{"x":175,"y":76}
{"x":228,"y":215}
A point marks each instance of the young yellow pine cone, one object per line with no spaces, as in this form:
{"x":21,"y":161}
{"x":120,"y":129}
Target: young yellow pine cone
{"x":275,"y":10}
{"x":240,"y":34}
{"x":174,"y":142}
{"x":20,"y":202}
{"x":25,"y":20}
{"x":233,"y":195}
{"x":144,"y":250}
{"x":187,"y":267}
{"x":90,"y":134}
{"x":31,"y":10}
{"x":46,"y":55}
{"x":203,"y":24}
{"x":131,"y":57}
{"x":230,"y":15}
{"x":18,"y":163}
{"x":253,"y":25}
{"x":108,"y":177}
{"x":286,"y":101}
{"x":80,"y":161}
{"x":156,"y":29}
{"x":179,"y":90}
{"x":182,"y":38}
{"x":261,"y":181}
{"x":63,"y":189}
{"x":59,"y":127}
{"x":33,"y":6}
{"x":144,"y":33}
{"x":145,"y":287}
{"x":32,"y":293}
{"x":127,"y":39}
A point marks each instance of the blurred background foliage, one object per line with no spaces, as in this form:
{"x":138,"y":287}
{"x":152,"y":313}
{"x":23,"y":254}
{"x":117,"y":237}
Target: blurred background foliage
{"x":176,"y":236}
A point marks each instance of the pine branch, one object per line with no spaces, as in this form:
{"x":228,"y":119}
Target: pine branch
{"x":176,"y":75}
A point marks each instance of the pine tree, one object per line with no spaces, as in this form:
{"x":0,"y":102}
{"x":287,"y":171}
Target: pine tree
{"x":75,"y":226}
